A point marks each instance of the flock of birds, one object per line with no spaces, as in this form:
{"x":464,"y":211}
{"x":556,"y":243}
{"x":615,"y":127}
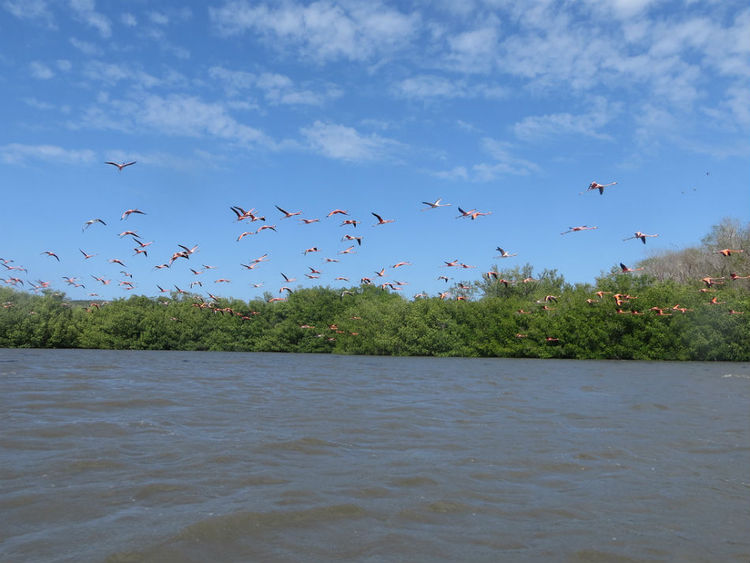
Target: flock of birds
{"x":250,"y":217}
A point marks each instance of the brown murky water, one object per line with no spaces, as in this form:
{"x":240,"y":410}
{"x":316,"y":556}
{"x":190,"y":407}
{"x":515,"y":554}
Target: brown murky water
{"x":179,"y":456}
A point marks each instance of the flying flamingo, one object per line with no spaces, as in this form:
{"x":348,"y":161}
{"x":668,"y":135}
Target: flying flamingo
{"x":709,"y":281}
{"x":352,"y":222}
{"x":86,"y":256}
{"x":337,"y":211}
{"x":287,"y":214}
{"x":242,"y":214}
{"x":312,"y":249}
{"x":399,"y":264}
{"x":129,"y":212}
{"x":381,"y":221}
{"x":625,"y":269}
{"x":49,"y":253}
{"x":472,"y":213}
{"x":243,"y":235}
{"x":595,"y":186}
{"x":90,"y":222}
{"x":728,"y":251}
{"x":120,"y":166}
{"x":435,"y":204}
{"x":640,"y":235}
{"x":504,"y":254}
{"x":287,"y":278}
{"x":576,"y":229}
{"x":350,"y":237}
{"x":308,"y":221}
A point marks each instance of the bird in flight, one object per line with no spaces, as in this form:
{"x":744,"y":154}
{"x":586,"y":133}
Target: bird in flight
{"x":119,"y":165}
{"x":600,"y":187}
{"x":50,"y":253}
{"x":503,"y":253}
{"x":473,"y":213}
{"x":576,"y":229}
{"x":640,"y":235}
{"x":381,"y":221}
{"x":90,"y":222}
{"x":435,"y":204}
{"x":287,"y":214}
{"x":728,"y":251}
{"x":129,"y":212}
{"x":625,"y":269}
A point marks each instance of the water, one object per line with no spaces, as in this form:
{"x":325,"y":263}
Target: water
{"x":180,"y":456}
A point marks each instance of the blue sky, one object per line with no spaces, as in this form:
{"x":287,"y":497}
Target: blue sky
{"x":507,"y":107}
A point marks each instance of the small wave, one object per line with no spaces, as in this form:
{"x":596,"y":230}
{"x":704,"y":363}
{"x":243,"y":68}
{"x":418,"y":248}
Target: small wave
{"x":302,"y":445}
{"x":737,"y":375}
{"x":242,"y":534}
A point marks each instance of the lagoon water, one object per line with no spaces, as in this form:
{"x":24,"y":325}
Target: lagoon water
{"x":180,"y":456}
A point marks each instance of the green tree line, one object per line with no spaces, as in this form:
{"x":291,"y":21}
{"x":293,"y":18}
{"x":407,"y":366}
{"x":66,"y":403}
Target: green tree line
{"x":621,"y":316}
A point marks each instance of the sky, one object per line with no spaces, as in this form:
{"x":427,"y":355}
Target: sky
{"x":504,"y":107}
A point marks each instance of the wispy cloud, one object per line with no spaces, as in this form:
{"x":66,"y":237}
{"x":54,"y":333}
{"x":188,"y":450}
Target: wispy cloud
{"x":40,"y":70}
{"x":430,"y":86}
{"x":322,"y":30}
{"x":346,"y":143}
{"x":173,"y":115}
{"x":502,"y":163}
{"x":85,"y":47}
{"x":588,"y":124}
{"x":85,"y":10}
{"x":16,"y":153}
{"x":277,"y":89}
{"x":128,"y":19}
{"x":37,"y":10}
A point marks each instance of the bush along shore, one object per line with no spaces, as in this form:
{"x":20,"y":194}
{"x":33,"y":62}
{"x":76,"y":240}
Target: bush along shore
{"x":623,"y":316}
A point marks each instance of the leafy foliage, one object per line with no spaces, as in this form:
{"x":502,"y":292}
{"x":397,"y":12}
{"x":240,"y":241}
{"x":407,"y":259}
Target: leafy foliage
{"x":508,"y":313}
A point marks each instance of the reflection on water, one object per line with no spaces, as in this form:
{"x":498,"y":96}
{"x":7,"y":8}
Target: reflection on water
{"x":179,"y":456}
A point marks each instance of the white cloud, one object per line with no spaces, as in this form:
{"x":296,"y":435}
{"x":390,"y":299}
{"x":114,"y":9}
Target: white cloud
{"x":188,"y":115}
{"x":16,"y":153}
{"x":503,"y":163}
{"x":428,"y":86}
{"x":64,"y":65}
{"x":277,"y":89}
{"x":346,"y":143}
{"x":84,"y":46}
{"x":456,"y":173}
{"x":474,"y":50}
{"x":40,"y":70}
{"x":322,"y":30}
{"x":175,"y":115}
{"x":588,"y":124}
{"x":112,"y":73}
{"x":86,"y":11}
{"x":158,"y":18}
{"x":30,"y":10}
{"x":38,"y":104}
{"x":128,"y":19}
